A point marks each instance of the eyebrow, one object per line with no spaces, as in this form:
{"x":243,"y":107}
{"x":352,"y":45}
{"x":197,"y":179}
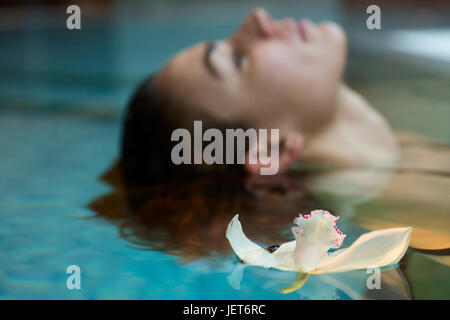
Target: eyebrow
{"x":209,"y":48}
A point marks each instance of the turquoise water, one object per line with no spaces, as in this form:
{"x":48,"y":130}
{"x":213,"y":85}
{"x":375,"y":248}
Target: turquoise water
{"x":61,"y":99}
{"x":48,"y":175}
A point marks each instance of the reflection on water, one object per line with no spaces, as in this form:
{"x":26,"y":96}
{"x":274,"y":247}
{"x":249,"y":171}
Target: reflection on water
{"x":189,"y":219}
{"x":346,"y":285}
{"x":414,"y":193}
{"x":417,"y":195}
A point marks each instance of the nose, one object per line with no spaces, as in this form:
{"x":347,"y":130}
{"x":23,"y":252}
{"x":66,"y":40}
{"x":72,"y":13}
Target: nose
{"x":263,"y":22}
{"x":258,"y":25}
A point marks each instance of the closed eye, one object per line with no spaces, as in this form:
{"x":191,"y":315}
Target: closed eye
{"x":238,"y":59}
{"x":209,"y":48}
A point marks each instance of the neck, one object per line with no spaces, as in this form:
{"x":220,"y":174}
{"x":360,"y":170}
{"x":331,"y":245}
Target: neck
{"x":357,"y":136}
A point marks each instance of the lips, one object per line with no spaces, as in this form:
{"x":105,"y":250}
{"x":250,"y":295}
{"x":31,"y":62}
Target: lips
{"x":302,"y":29}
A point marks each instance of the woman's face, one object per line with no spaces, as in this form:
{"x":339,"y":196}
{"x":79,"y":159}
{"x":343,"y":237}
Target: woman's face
{"x":271,"y":74}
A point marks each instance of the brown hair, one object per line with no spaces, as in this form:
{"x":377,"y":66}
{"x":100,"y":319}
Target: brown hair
{"x":189,"y":219}
{"x":151,"y":117}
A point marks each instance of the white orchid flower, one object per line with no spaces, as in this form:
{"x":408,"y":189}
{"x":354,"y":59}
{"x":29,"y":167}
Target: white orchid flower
{"x":315,"y":234}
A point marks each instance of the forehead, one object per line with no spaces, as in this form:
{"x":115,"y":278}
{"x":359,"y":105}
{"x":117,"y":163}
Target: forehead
{"x":184,"y":65}
{"x":186,"y":79}
{"x":187,"y":55}
{"x":182,"y":74}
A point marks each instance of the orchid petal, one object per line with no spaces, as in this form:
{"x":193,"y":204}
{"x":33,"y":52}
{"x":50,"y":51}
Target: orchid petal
{"x":380,"y":248}
{"x":315,"y":234}
{"x":248,"y":251}
{"x":285,"y":256}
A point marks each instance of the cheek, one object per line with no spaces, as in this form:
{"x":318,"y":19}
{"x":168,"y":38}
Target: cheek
{"x":280,"y":67}
{"x":301,"y":80}
{"x":297,"y":77}
{"x":268,"y":62}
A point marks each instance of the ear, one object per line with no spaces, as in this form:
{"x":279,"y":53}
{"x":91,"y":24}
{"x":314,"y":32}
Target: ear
{"x":290,"y":146}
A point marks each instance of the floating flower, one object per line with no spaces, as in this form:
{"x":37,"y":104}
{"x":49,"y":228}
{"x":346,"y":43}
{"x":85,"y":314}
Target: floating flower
{"x":315,"y":234}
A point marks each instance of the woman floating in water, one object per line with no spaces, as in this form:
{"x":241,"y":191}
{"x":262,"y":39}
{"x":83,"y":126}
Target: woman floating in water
{"x":268,"y":74}
{"x":336,"y":152}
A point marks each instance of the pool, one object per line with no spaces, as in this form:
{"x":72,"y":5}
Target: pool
{"x":61,"y":100}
